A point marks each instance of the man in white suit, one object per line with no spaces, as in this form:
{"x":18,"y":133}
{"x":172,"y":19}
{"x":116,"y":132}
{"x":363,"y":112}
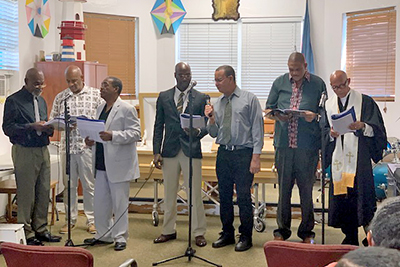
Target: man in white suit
{"x":116,"y":164}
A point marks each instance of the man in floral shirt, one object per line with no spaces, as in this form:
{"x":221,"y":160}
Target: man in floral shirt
{"x":82,"y":100}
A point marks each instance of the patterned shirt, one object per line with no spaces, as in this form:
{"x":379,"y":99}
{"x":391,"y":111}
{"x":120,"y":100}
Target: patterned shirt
{"x":295,"y":100}
{"x":84,"y":103}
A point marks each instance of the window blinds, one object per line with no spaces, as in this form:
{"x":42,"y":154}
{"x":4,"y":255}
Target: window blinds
{"x":265,"y":51}
{"x":371,"y":51}
{"x":205,"y":47}
{"x":111,"y":40}
{"x":9,"y":54}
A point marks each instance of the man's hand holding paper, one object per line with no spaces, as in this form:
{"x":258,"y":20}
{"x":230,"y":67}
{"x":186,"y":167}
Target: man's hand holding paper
{"x":345,"y":122}
{"x":91,"y":129}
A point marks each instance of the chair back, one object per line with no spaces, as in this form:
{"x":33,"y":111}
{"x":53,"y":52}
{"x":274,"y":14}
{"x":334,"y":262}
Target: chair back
{"x":18,"y":255}
{"x":293,"y":254}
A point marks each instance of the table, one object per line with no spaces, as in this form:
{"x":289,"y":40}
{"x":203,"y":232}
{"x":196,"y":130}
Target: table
{"x":9,"y":187}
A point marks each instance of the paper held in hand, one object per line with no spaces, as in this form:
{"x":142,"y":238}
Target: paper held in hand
{"x":198,"y":121}
{"x":58,"y":123}
{"x":286,"y":112}
{"x":91,"y":128}
{"x":342,"y":121}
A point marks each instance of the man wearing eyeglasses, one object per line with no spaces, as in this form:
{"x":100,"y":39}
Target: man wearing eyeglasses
{"x":352,"y":195}
{"x":82,"y":100}
{"x":171,"y":152}
{"x":25,"y":113}
{"x":297,"y":140}
{"x":237,"y":123}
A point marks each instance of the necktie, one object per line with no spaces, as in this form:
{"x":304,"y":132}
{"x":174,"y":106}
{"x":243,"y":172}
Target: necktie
{"x":226,"y":124}
{"x":179,"y":106}
{"x":37,"y":115}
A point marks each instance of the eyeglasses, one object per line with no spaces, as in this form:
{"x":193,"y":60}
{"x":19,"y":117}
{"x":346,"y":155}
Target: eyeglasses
{"x":220,"y":80}
{"x":340,"y":86}
{"x":37,"y":86}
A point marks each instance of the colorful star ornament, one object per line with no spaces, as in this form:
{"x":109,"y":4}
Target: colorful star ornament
{"x":168,"y":15}
{"x":38,"y":17}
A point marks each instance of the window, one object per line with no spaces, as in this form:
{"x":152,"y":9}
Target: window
{"x":9,"y":54}
{"x":257,"y":49}
{"x":206,"y":46}
{"x":265,"y":50}
{"x":112,"y":40}
{"x":371,"y":51}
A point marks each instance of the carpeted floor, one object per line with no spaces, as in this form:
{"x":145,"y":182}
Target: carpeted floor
{"x":142,"y":232}
{"x":145,"y":252}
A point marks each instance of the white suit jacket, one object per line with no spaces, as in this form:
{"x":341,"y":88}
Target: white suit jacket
{"x":120,"y":155}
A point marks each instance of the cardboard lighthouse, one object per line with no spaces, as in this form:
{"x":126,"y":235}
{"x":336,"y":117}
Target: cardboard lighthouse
{"x":73,"y":29}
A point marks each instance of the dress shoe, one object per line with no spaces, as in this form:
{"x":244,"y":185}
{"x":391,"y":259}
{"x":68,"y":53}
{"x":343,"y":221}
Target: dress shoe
{"x":47,"y":237}
{"x":201,"y":241}
{"x":33,"y":241}
{"x":64,"y":228}
{"x":119,"y":246}
{"x":309,"y":240}
{"x":94,"y":241}
{"x":165,"y":238}
{"x":244,"y":243}
{"x":224,"y":240}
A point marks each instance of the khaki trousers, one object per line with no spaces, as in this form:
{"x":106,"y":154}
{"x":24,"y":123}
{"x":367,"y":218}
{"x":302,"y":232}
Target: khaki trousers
{"x":172,"y":168}
{"x":32,"y":175}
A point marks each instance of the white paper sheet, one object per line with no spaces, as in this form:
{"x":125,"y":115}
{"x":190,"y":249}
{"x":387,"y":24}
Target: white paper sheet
{"x":341,"y":121}
{"x":198,"y":121}
{"x":91,"y":128}
{"x":59,"y":123}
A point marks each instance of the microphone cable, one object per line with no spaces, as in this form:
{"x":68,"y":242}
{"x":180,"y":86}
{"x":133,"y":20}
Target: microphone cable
{"x":152,"y":167}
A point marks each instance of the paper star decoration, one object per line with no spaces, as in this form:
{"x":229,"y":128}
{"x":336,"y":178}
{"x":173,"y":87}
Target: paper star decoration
{"x":38,"y":17}
{"x":168,"y":15}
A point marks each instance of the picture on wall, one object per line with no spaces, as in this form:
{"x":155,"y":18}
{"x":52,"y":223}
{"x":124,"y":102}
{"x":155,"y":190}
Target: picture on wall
{"x":38,"y":17}
{"x":226,"y":9}
{"x":168,"y":15}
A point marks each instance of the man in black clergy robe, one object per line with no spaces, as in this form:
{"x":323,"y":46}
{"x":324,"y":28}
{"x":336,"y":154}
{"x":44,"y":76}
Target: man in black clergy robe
{"x":352,"y":195}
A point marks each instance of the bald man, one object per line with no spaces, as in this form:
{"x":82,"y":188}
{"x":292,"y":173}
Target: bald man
{"x":83,"y":101}
{"x":171,"y":152}
{"x":25,"y":113}
{"x":296,"y":141}
{"x":352,"y":195}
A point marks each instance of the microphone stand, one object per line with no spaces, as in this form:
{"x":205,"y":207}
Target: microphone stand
{"x":67,"y":117}
{"x":322,"y":125}
{"x":190,"y":252}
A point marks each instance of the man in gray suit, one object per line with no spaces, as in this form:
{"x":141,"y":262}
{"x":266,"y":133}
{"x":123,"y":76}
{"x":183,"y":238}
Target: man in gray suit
{"x":116,"y":164}
{"x":174,"y":155}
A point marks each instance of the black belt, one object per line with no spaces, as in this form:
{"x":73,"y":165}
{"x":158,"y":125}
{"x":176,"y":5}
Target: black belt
{"x":232,"y":147}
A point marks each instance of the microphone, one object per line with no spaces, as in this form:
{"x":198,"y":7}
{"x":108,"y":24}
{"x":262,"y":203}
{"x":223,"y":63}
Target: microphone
{"x":208,"y":100}
{"x":66,"y":97}
{"x":322,"y":100}
{"x":192,"y":84}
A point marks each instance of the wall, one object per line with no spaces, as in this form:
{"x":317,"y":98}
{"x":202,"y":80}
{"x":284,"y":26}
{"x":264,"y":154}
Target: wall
{"x":157,"y":52}
{"x":331,"y":35}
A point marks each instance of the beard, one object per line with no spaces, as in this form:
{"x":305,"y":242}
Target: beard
{"x":37,"y":92}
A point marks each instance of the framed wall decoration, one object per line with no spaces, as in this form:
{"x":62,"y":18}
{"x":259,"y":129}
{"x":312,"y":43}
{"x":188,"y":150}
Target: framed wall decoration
{"x":38,"y":17}
{"x":226,"y":9}
{"x":168,"y":15}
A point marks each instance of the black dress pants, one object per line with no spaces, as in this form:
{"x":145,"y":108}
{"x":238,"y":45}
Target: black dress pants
{"x":233,"y":167}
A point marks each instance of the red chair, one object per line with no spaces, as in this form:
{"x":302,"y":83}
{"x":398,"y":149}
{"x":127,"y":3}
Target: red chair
{"x":17,"y":255}
{"x":293,"y":254}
